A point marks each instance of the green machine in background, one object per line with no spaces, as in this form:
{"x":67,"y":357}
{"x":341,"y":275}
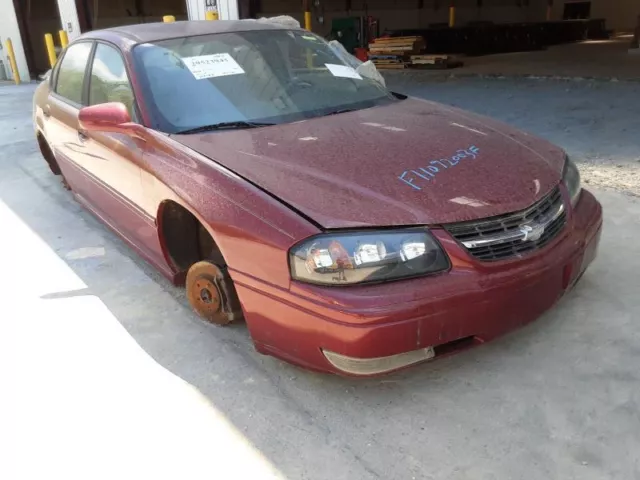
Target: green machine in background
{"x":354,"y":32}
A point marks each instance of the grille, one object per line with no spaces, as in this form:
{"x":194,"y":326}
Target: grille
{"x":501,"y":237}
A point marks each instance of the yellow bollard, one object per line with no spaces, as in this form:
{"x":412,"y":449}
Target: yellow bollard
{"x":64,"y":39}
{"x":452,"y":16}
{"x":306,"y":8}
{"x":12,"y":61}
{"x":307,"y":20}
{"x":168,"y":19}
{"x":51,"y":50}
{"x":210,"y":15}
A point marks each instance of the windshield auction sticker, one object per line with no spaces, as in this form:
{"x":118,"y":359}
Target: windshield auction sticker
{"x":343,"y":71}
{"x":209,"y":66}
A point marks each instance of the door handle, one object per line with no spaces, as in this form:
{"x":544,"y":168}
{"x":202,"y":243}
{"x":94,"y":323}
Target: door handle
{"x":46,"y":111}
{"x":82,"y":136}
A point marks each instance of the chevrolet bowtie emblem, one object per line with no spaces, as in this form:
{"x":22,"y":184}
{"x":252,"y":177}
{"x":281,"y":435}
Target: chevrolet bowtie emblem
{"x":532,"y":233}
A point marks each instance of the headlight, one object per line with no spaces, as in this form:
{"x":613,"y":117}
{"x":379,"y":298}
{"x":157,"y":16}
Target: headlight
{"x":571,"y":179}
{"x":364,"y":257}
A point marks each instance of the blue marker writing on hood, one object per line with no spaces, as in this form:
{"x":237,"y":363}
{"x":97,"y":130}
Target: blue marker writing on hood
{"x":414,"y":178}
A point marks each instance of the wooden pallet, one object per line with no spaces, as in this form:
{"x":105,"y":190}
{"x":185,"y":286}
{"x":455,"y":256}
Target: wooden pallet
{"x":373,"y":48}
{"x":398,"y":39}
{"x":396,"y":45}
{"x":384,"y":57}
{"x":390,"y":66}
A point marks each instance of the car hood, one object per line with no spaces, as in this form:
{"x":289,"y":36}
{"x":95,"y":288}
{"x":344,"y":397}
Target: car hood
{"x":412,"y":162}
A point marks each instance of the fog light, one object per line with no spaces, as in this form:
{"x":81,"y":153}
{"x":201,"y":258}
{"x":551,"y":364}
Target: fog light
{"x":373,"y":366}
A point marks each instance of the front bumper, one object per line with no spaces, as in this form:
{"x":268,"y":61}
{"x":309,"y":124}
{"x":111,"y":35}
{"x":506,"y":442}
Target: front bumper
{"x":418,"y":319}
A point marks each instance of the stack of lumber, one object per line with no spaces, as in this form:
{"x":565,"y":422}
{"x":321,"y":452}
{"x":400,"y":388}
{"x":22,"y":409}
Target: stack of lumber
{"x":388,"y":61}
{"x":394,"y":52}
{"x":406,"y":52}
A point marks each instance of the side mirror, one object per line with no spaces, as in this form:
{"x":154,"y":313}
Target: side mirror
{"x":107,"y":117}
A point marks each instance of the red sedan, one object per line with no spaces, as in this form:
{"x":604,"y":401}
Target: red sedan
{"x":356,"y":231}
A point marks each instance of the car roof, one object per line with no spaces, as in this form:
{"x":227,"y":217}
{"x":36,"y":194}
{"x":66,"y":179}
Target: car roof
{"x":151,"y":32}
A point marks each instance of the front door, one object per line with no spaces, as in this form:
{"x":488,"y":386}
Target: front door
{"x":102,"y":168}
{"x":112,"y":160}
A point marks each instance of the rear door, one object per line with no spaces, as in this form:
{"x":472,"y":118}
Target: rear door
{"x":66,"y":98}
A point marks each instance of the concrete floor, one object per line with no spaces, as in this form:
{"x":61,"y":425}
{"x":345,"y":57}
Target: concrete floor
{"x":593,"y":59}
{"x":595,"y":122}
{"x":106,"y":373}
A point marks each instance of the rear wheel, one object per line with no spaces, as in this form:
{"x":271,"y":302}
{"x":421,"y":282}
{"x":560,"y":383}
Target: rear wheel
{"x":47,"y":154}
{"x":211,"y":293}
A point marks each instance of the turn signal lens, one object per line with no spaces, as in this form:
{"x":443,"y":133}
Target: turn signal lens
{"x":365,"y":257}
{"x":571,"y":178}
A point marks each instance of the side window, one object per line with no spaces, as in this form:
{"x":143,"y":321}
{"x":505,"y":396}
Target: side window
{"x":71,"y":72}
{"x":109,"y":81}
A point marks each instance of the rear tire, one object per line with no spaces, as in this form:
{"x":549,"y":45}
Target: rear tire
{"x":211,"y":293}
{"x":47,"y":154}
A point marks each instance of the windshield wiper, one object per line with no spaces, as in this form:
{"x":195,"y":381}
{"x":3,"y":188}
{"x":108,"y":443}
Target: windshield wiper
{"x":224,"y":125}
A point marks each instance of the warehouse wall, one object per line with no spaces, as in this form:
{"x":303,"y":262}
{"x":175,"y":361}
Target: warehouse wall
{"x":69,"y":18}
{"x":110,"y":13}
{"x":42,"y":17}
{"x":395,"y":14}
{"x":621,"y":15}
{"x":9,"y":29}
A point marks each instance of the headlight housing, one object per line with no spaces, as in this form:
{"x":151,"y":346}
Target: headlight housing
{"x":349,"y":258}
{"x":571,"y":179}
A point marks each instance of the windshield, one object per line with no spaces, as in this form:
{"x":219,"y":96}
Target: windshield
{"x":261,"y":77}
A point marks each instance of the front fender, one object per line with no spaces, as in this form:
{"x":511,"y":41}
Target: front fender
{"x":252,"y":229}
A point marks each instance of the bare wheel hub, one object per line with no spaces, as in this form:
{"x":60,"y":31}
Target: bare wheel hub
{"x":211,"y":294}
{"x":207,"y":295}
